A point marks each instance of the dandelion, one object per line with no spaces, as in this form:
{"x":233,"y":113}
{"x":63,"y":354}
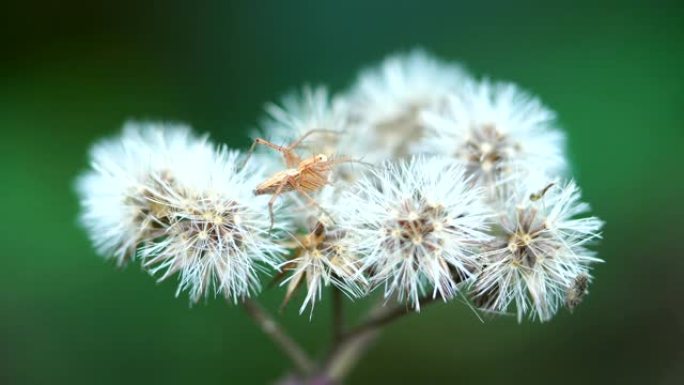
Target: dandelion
{"x":114,"y":193}
{"x":322,"y":258}
{"x":184,"y":207}
{"x":539,"y":259}
{"x":219,"y":235}
{"x":499,"y":132}
{"x":386,"y":101}
{"x":311,"y":109}
{"x":418,"y":225}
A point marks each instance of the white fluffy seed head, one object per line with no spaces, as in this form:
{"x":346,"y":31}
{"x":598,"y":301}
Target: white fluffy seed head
{"x":312,"y":108}
{"x":115,"y":208}
{"x":418,"y":226}
{"x":539,"y":259}
{"x":501,"y":134}
{"x":322,"y":258}
{"x":218,"y":236}
{"x":186,"y":207}
{"x":386,"y":101}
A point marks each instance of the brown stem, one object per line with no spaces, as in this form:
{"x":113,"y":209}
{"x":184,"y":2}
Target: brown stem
{"x":353,"y":344}
{"x":347,"y":354}
{"x":388,"y":315}
{"x":273,"y":330}
{"x":349,"y":349}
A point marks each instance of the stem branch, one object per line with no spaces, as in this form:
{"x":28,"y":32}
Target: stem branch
{"x":274,"y":331}
{"x":386,"y":316}
{"x":353,"y":344}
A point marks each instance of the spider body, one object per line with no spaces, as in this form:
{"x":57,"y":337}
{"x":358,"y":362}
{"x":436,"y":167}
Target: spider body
{"x":310,"y":175}
{"x":305,"y":176}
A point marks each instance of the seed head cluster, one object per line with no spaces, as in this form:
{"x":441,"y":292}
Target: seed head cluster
{"x":420,"y":181}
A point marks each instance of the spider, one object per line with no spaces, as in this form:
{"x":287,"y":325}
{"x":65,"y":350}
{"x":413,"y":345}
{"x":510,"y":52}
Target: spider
{"x":305,"y":175}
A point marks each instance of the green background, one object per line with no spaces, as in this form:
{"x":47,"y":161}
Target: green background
{"x":71,"y":73}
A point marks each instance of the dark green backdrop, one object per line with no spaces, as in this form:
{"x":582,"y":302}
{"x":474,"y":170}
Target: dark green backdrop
{"x":71,"y":73}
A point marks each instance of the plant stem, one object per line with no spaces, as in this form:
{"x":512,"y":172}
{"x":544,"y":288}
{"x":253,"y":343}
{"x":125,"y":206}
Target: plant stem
{"x":353,"y":344}
{"x":349,"y":349}
{"x":274,"y":331}
{"x":382,"y":318}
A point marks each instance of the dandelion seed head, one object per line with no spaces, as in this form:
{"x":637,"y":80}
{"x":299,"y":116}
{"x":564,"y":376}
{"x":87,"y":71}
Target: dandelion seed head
{"x":418,"y":226}
{"x":218,"y":237}
{"x":322,"y":258}
{"x":539,"y":253}
{"x":499,"y":132}
{"x":182,"y":206}
{"x":116,"y":208}
{"x":311,"y":108}
{"x":386,"y":101}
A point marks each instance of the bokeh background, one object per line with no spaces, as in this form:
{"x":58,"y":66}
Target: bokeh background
{"x":72,"y":72}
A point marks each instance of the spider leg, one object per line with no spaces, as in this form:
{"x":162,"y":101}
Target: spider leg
{"x":253,"y":147}
{"x":346,"y":159}
{"x":296,"y":186}
{"x":309,"y":133}
{"x":248,"y":156}
{"x":278,"y":191}
{"x":290,"y":157}
{"x":266,"y":143}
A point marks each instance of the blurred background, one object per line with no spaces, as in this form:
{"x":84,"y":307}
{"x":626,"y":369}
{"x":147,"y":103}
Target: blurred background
{"x":72,"y":72}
